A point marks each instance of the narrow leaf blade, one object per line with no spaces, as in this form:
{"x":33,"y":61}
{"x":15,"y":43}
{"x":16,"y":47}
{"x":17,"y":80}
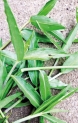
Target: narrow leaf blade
{"x":41,"y":120}
{"x":77,"y":15}
{"x":51,"y":100}
{"x":47,"y":7}
{"x":33,"y":63}
{"x":70,"y":92}
{"x":44,"y":86}
{"x":28,"y":91}
{"x":70,"y":38}
{"x":14,"y":32}
{"x":8,"y":99}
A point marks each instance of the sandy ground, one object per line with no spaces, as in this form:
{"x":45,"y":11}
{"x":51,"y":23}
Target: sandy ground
{"x":64,"y":12}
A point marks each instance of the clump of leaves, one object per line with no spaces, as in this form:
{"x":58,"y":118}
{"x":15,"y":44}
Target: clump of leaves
{"x":30,"y":57}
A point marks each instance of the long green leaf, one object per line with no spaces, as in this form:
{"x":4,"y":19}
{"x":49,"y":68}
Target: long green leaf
{"x":23,"y":104}
{"x":0,"y":43}
{"x":28,"y":91}
{"x":77,"y":15}
{"x":44,"y":86}
{"x":48,"y":23}
{"x":33,"y":63}
{"x":70,"y":38}
{"x":44,"y":54}
{"x":66,"y":95}
{"x":72,"y":61}
{"x":14,"y":32}
{"x":41,"y":120}
{"x":34,"y":74}
{"x":7,"y":88}
{"x":8,"y":99}
{"x":53,"y":119}
{"x":52,"y":100}
{"x":3,"y":74}
{"x":47,"y":7}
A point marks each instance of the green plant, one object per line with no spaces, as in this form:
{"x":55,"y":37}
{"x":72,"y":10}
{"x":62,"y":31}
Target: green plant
{"x":30,"y":57}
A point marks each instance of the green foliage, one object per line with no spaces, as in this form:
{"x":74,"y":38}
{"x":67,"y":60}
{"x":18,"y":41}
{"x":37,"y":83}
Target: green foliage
{"x":53,"y":119}
{"x":48,"y":35}
{"x":44,"y":54}
{"x":72,"y":60}
{"x":58,"y":35}
{"x":44,"y":86}
{"x":9,"y":99}
{"x":14,"y":32}
{"x":57,"y":84}
{"x":28,"y":91}
{"x":41,"y":120}
{"x":35,"y":85}
{"x":76,"y":40}
{"x":77,"y":14}
{"x":2,"y":120}
{"x":0,"y":43}
{"x":34,"y":63}
{"x":47,"y":7}
{"x":48,"y":24}
{"x":70,"y":38}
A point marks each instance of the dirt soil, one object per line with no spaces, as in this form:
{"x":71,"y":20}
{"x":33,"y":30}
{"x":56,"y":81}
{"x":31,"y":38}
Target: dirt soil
{"x":64,"y":12}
